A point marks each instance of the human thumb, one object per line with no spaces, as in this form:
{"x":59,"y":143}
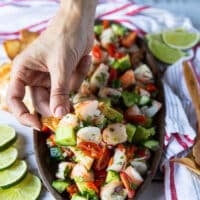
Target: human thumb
{"x":59,"y":94}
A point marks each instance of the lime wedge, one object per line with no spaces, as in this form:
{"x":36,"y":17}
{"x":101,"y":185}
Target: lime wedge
{"x":180,"y":39}
{"x":154,"y":37}
{"x":13,"y":174}
{"x":27,"y":189}
{"x":7,"y":157}
{"x":164,"y":53}
{"x":7,"y":136}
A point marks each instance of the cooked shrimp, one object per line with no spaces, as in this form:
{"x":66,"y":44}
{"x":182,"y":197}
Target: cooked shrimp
{"x":87,"y":109}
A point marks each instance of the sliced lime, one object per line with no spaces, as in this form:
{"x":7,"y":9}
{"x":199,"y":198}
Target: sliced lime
{"x":180,"y":39}
{"x":164,"y":53}
{"x":27,"y":189}
{"x":7,"y":136}
{"x":13,"y":174}
{"x":7,"y":157}
{"x":154,"y":37}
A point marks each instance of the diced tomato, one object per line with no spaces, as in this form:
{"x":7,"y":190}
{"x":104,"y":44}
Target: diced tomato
{"x":151,"y":87}
{"x":97,"y":52}
{"x":92,"y":186}
{"x":103,"y":160}
{"x":106,"y":24}
{"x":130,"y":151}
{"x":111,"y":50}
{"x":72,"y":189}
{"x":139,"y":119}
{"x":119,"y":55}
{"x":45,"y":129}
{"x":91,"y":149}
{"x":100,"y":177}
{"x":127,"y":182}
{"x":113,"y":75}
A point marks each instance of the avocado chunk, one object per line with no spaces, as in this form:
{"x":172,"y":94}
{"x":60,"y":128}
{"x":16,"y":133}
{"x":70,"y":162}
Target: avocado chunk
{"x":65,"y":136}
{"x":98,"y":29}
{"x":112,"y":176}
{"x":130,"y":131}
{"x":110,"y":113}
{"x":60,"y":185}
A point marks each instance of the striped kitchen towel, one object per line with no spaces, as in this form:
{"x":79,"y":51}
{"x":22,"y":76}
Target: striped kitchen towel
{"x":179,"y":183}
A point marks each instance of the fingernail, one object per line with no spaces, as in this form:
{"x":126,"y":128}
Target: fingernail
{"x":60,"y":111}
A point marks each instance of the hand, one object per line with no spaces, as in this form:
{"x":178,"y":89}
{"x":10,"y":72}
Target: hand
{"x":54,"y":64}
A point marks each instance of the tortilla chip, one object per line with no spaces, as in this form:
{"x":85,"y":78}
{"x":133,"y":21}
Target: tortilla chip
{"x":50,"y":122}
{"x":189,"y":163}
{"x":12,"y":48}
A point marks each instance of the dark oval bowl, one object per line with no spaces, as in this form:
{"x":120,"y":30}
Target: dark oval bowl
{"x":47,"y":168}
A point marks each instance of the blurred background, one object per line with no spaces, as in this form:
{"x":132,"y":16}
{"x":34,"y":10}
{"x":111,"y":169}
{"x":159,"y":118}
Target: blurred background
{"x":189,"y":8}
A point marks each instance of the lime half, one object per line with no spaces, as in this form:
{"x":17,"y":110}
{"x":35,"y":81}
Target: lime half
{"x":13,"y":174}
{"x":154,"y":37}
{"x":7,"y":136}
{"x":164,"y":53}
{"x":8,"y":157}
{"x":27,"y":189}
{"x":180,"y":39}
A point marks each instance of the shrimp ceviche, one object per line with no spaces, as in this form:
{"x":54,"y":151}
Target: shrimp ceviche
{"x":103,"y":147}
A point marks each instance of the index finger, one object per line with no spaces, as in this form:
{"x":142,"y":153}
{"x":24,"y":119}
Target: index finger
{"x":15,"y":95}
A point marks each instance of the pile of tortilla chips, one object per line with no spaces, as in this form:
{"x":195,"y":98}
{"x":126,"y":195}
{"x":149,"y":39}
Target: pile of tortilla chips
{"x":13,"y":48}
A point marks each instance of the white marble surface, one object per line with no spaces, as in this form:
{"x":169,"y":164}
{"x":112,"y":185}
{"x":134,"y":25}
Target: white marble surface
{"x":24,"y":144}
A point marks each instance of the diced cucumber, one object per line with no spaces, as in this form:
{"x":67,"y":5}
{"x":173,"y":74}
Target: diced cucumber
{"x":122,"y":64}
{"x":78,"y":197}
{"x":144,"y":100}
{"x":98,"y":29}
{"x":60,"y":185}
{"x":110,"y":113}
{"x":56,"y":153}
{"x":112,"y":176}
{"x":130,"y":130}
{"x":118,"y":29}
{"x":65,"y":136}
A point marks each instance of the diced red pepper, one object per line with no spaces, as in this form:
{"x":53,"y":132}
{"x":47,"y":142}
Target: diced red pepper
{"x":97,"y":52}
{"x":151,"y":87}
{"x":119,"y":55}
{"x":139,"y":119}
{"x":90,"y":149}
{"x":103,"y":160}
{"x":111,"y":50}
{"x":113,"y":75}
{"x":106,"y":24}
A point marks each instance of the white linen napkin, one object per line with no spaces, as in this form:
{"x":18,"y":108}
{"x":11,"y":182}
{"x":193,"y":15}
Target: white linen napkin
{"x":179,"y":182}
